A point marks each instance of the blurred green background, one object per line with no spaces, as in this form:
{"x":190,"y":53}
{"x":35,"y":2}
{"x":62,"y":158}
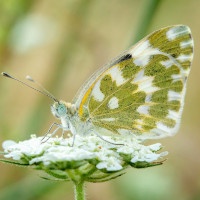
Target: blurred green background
{"x":61,"y":43}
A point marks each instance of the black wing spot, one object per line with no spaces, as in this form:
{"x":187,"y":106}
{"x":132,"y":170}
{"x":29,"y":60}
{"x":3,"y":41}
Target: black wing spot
{"x":123,"y":58}
{"x":174,"y":55}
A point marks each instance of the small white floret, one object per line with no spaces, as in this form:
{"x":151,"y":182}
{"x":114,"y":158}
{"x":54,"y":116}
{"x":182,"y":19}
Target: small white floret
{"x":8,"y":143}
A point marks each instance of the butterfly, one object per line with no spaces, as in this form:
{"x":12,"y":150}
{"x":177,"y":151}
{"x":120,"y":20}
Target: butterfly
{"x":140,"y":93}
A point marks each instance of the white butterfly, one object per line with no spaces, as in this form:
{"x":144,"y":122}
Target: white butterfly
{"x":139,"y":93}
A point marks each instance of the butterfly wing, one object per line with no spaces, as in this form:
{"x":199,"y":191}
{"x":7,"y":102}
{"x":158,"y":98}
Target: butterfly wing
{"x":142,"y":91}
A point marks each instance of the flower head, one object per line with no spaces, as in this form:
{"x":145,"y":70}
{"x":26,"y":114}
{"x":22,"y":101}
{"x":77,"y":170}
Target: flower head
{"x":91,"y":158}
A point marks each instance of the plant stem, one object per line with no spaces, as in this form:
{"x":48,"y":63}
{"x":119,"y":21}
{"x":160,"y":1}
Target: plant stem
{"x":149,"y":10}
{"x":79,"y":191}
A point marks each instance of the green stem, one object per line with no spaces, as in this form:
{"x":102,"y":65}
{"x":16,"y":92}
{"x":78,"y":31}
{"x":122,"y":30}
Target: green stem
{"x":149,"y":10}
{"x":79,"y":191}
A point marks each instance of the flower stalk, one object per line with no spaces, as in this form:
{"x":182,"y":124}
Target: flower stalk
{"x":79,"y":190}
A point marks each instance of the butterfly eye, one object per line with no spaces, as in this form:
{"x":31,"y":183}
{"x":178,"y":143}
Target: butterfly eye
{"x":61,"y":109}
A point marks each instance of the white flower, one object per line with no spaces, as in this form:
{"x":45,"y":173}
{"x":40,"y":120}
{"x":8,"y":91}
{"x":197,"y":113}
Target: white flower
{"x":89,"y":157}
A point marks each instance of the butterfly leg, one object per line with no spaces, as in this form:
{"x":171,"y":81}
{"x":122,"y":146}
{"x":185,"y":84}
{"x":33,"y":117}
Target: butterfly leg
{"x":73,"y":141}
{"x":63,"y":131}
{"x":73,"y":132}
{"x":52,"y":134}
{"x":106,"y":140}
{"x":58,"y":125}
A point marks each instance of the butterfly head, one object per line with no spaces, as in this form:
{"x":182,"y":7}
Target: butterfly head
{"x":61,"y":109}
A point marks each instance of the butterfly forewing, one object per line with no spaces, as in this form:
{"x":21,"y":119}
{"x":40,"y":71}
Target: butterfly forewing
{"x":142,"y":92}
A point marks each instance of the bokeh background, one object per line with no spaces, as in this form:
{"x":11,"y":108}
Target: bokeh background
{"x":61,"y":43}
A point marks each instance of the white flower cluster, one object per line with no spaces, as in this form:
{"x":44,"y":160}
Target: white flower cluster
{"x":103,"y":155}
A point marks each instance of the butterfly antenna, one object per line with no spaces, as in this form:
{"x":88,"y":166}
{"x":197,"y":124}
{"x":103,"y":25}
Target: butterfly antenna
{"x":45,"y":92}
{"x":29,"y":78}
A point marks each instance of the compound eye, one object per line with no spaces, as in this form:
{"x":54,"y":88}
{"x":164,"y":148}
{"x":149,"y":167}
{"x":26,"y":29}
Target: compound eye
{"x":61,"y":109}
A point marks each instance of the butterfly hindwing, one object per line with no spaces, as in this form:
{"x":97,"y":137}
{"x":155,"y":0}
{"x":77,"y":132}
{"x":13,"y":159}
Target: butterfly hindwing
{"x":142,"y":91}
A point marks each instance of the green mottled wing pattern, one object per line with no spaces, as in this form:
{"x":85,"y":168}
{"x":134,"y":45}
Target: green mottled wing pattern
{"x":142,"y":91}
